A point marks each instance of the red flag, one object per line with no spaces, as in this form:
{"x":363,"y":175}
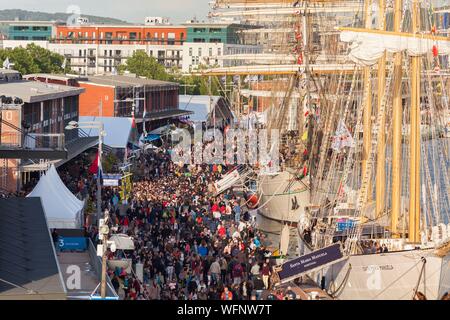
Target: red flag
{"x":93,"y":169}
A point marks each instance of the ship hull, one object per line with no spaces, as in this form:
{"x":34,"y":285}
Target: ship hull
{"x":282,"y":198}
{"x":388,"y":276}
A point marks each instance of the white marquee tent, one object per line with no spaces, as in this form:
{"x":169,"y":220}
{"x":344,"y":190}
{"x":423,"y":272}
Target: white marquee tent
{"x":62,"y":209}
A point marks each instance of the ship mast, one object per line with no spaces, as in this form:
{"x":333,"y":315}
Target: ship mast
{"x":367,"y":118}
{"x":380,"y":188}
{"x":397,"y":108}
{"x":414,"y":183}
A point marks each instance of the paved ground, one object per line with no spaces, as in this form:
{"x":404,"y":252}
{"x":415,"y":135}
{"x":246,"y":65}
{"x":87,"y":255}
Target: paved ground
{"x":88,"y":277}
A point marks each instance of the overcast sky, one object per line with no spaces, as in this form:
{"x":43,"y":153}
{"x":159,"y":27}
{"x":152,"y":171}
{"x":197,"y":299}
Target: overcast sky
{"x":130,"y":10}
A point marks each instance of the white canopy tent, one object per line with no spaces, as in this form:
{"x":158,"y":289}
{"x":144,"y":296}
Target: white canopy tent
{"x":62,"y":209}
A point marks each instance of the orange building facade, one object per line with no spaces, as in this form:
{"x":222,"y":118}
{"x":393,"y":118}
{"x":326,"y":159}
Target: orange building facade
{"x":102,"y":34}
{"x":97,"y":100}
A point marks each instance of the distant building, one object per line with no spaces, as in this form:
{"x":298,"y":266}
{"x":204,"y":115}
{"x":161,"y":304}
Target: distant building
{"x":227,"y":33}
{"x":30,"y":30}
{"x":150,"y":101}
{"x":92,"y":49}
{"x":31,"y":113}
{"x":156,"y":33}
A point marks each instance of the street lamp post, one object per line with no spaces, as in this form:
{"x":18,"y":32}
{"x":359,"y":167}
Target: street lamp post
{"x":93,"y":125}
{"x":104,"y":231}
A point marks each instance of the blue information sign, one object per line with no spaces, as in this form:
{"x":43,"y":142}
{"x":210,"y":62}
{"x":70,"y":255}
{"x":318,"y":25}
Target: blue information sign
{"x":313,"y":260}
{"x":72,"y":244}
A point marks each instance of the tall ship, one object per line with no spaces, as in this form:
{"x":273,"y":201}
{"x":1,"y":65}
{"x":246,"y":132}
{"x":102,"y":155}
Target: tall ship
{"x":359,"y":93}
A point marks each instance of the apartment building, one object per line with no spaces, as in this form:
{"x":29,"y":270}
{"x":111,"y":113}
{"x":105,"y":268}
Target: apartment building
{"x":100,"y":49}
{"x":29,"y":30}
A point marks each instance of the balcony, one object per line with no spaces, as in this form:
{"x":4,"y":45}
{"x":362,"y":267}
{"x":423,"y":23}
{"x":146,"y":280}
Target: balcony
{"x":16,"y":145}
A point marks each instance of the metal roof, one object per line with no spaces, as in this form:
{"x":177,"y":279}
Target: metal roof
{"x":127,"y":81}
{"x":28,"y":265}
{"x":35,"y":91}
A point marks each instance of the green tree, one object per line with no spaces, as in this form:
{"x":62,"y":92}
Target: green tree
{"x":34,"y":59}
{"x":144,"y":66}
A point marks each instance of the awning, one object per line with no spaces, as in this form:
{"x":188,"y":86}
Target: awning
{"x":74,"y":148}
{"x":117,"y":130}
{"x":165,"y":115}
{"x":205,"y":108}
{"x":122,"y":241}
{"x":152,"y":137}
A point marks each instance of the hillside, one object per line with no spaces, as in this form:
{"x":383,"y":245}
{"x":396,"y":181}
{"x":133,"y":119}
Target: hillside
{"x":24,"y":15}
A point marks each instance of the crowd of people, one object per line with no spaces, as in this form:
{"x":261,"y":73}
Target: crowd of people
{"x":192,"y":244}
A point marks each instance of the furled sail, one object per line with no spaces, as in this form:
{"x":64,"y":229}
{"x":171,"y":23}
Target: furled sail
{"x":368,"y":47}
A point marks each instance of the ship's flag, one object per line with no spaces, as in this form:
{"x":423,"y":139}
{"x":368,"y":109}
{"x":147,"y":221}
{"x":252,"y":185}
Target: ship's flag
{"x":342,"y":138}
{"x":93,"y":169}
{"x":96,"y":167}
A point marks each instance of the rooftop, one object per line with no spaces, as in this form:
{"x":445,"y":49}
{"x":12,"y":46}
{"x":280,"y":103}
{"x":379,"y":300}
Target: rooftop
{"x":127,"y":81}
{"x":125,"y":26}
{"x":55,"y":76}
{"x":34,"y":91}
{"x":28,"y":264}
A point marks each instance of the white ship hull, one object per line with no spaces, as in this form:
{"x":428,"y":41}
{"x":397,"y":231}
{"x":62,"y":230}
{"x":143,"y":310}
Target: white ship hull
{"x":283,"y":198}
{"x":389,"y":276}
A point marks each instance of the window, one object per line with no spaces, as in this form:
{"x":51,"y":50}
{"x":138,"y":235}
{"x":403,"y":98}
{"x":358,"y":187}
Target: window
{"x":199,"y":52}
{"x":210,"y":52}
{"x":20,"y":28}
{"x":199,"y":29}
{"x":199,"y":40}
{"x":190,"y":52}
{"x":40,"y":28}
{"x":171,"y":38}
{"x":219,"y":51}
{"x":215,"y":30}
{"x":215,"y":40}
{"x":133,"y":36}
